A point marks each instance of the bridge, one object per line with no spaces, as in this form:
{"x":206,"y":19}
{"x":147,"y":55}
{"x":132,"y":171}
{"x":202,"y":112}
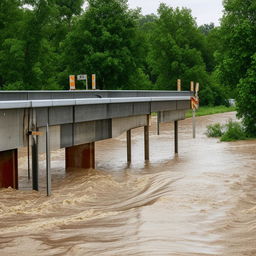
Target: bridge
{"x":44,"y":121}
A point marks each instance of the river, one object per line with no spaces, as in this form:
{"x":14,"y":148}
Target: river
{"x":201,"y":202}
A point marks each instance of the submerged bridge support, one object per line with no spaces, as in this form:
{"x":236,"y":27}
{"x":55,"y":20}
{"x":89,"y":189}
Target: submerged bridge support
{"x":9,"y":168}
{"x":75,"y":120}
{"x":81,"y":156}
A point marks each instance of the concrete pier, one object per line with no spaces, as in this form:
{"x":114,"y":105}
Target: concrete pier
{"x":146,"y":139}
{"x":81,"y":156}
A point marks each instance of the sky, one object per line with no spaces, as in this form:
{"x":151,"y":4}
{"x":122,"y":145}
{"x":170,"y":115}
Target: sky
{"x":205,"y":11}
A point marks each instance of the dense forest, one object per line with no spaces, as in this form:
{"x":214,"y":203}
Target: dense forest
{"x":42,"y":42}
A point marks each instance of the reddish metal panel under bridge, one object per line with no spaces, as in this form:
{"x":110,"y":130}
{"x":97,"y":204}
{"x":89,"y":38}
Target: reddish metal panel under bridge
{"x":81,"y":156}
{"x":9,"y":169}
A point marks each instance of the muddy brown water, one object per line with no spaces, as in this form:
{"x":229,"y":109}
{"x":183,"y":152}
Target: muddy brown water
{"x":201,"y":202}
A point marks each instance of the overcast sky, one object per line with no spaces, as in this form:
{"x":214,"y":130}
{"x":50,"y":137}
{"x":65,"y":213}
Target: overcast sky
{"x":205,"y":11}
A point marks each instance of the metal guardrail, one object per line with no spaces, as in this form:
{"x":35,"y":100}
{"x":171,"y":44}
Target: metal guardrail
{"x":80,"y":94}
{"x":85,"y":101}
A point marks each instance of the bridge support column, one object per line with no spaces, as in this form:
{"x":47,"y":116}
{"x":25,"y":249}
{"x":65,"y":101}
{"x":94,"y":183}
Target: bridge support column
{"x":81,"y":156}
{"x":129,"y":145}
{"x":176,"y":146}
{"x":9,"y":169}
{"x":146,"y":139}
{"x":34,"y":151}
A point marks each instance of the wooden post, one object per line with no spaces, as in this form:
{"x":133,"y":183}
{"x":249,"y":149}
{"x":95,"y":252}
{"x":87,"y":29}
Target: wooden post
{"x":129,"y":146}
{"x":176,"y":149}
{"x":192,"y":87}
{"x":197,"y":89}
{"x":146,"y":139}
{"x":179,"y":85}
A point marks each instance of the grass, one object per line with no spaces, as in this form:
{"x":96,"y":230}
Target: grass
{"x":231,"y":131}
{"x":204,"y":111}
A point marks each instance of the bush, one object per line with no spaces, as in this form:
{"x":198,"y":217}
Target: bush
{"x":231,"y":131}
{"x":215,"y":130}
{"x":234,"y":131}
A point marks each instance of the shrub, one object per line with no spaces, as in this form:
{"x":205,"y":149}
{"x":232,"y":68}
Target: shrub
{"x":215,"y":130}
{"x":233,"y":131}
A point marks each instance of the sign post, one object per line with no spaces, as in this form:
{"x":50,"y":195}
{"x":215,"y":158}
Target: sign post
{"x":194,"y":105}
{"x":83,"y":78}
{"x":72,"y":82}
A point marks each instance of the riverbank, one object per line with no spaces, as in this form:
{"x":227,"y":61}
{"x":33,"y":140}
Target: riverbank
{"x":206,"y":110}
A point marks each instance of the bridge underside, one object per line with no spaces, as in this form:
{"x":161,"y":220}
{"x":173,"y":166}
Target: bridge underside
{"x":79,"y":142}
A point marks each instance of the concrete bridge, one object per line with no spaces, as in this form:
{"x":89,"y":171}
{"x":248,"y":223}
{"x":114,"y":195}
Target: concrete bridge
{"x":44,"y":121}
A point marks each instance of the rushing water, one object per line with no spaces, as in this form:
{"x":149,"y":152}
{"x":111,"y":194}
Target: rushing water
{"x":202,"y":202}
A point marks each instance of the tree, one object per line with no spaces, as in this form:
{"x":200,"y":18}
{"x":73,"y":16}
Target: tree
{"x":10,"y":46}
{"x":246,"y":99}
{"x":176,"y":45}
{"x":105,"y":41}
{"x":237,"y":56}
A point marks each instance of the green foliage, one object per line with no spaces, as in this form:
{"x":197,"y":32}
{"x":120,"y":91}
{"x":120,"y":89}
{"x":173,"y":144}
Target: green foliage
{"x":238,"y":34}
{"x":214,"y":130}
{"x":246,"y":99}
{"x":214,"y":94}
{"x":175,"y":49}
{"x":231,"y":131}
{"x":105,"y":41}
{"x":236,"y":57}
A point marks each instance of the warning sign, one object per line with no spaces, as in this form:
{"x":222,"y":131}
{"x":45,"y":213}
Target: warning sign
{"x":194,"y":102}
{"x":72,"y":82}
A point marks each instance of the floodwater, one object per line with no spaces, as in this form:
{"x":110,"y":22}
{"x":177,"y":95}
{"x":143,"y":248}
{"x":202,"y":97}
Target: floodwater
{"x":201,"y":202}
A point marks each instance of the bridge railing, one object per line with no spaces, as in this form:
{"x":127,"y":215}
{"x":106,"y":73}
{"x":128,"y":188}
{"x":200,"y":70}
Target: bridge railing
{"x":54,"y":95}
